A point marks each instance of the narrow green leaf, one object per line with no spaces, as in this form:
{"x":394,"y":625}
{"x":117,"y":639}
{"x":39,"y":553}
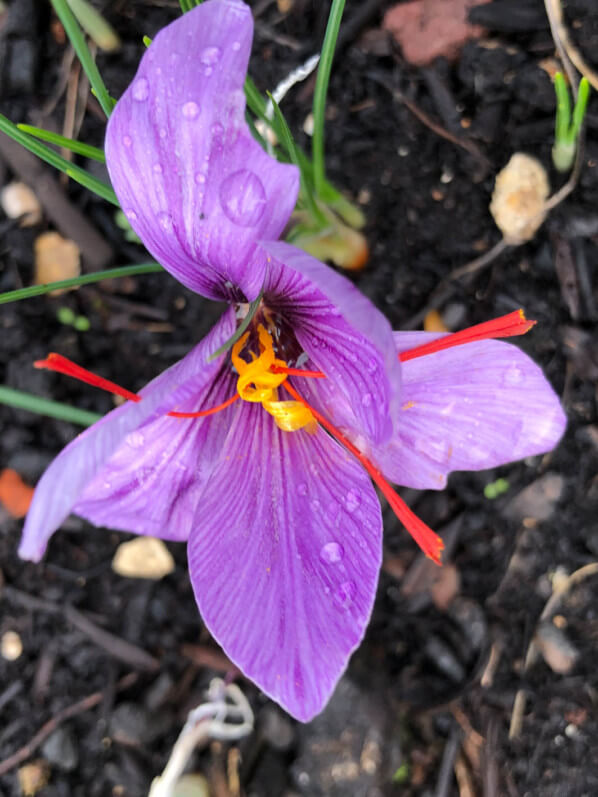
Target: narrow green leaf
{"x":321,"y":90}
{"x":43,"y":406}
{"x":583,"y":95}
{"x":68,"y":143}
{"x":94,"y":24}
{"x":85,"y":279}
{"x":290,"y":146}
{"x":563,"y":108}
{"x":54,"y":159}
{"x":252,"y":310}
{"x":77,"y":39}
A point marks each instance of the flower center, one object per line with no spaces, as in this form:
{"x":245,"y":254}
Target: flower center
{"x":259,"y":383}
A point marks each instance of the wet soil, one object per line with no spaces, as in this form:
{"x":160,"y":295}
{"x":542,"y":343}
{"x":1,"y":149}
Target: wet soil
{"x":427,"y":702}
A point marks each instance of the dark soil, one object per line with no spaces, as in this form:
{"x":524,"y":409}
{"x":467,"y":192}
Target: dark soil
{"x":420,"y":701}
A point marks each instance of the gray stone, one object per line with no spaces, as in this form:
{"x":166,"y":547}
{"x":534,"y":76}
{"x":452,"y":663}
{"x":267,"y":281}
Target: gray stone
{"x":538,"y":500}
{"x":60,"y":750}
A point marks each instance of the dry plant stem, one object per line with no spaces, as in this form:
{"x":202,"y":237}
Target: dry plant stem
{"x":532,"y":651}
{"x":569,"y":54}
{"x":79,"y":707}
{"x":208,"y":721}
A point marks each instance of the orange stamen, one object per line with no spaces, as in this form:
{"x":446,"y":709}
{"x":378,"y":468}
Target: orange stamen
{"x":430,"y":543}
{"x":504,"y":327}
{"x":62,"y":365}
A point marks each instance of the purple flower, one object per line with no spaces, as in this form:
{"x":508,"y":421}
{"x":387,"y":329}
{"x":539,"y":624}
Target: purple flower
{"x":261,"y":458}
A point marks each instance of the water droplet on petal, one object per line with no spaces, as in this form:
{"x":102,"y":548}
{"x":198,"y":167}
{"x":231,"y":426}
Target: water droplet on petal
{"x":332,"y":553}
{"x":315,"y":505}
{"x":513,"y":376}
{"x":130,"y":214}
{"x":345,"y":594}
{"x":217,"y":130}
{"x":208,"y":71}
{"x":243,"y":198}
{"x":200,"y":178}
{"x":162,"y":133}
{"x":236,"y":46}
{"x":157,"y":168}
{"x":352,"y":500}
{"x":302,"y":489}
{"x":127,"y":141}
{"x":210,"y":56}
{"x":367,"y":399}
{"x":190,"y":110}
{"x":140,"y":89}
{"x":165,"y":221}
{"x":372,"y":366}
{"x":136,"y":439}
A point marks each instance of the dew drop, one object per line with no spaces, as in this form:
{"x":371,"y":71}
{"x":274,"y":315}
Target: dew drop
{"x":345,"y":594}
{"x":162,"y":133}
{"x":332,"y":553}
{"x":352,"y":500}
{"x":210,"y":56}
{"x":243,"y":198}
{"x":200,"y":178}
{"x":190,"y":110}
{"x":140,"y":90}
{"x":127,"y":141}
{"x":302,"y":489}
{"x":217,"y":131}
{"x":513,"y":376}
{"x":236,"y":46}
{"x":372,"y":366}
{"x":157,"y":168}
{"x":315,"y":505}
{"x":367,"y":399}
{"x":136,"y":439}
{"x":208,"y":71}
{"x":165,"y":221}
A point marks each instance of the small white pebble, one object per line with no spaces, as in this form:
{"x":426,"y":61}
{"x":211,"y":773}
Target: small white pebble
{"x":11,"y":646}
{"x":519,"y":197}
{"x":308,"y":125}
{"x":143,"y":557}
{"x":18,"y":200}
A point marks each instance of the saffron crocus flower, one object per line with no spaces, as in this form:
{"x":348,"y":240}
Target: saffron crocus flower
{"x":262,"y":456}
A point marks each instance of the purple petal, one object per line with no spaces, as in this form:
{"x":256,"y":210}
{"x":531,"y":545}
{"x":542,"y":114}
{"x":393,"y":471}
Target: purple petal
{"x":284,"y":558}
{"x":195,"y":186}
{"x":468,"y":408}
{"x":65,"y":481}
{"x":344,"y":335}
{"x":153,"y":482}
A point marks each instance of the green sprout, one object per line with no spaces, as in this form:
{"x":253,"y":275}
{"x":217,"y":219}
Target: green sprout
{"x":567,"y":127}
{"x":496,"y":489}
{"x":67,"y":317}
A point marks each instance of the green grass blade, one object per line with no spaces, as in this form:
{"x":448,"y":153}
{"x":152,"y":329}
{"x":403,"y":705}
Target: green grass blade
{"x":94,"y":24}
{"x":251,"y":311}
{"x":42,"y":406}
{"x":289,"y":144}
{"x":563,"y":108}
{"x":321,"y":90}
{"x":77,"y":39}
{"x":579,"y":111}
{"x":85,"y":279}
{"x":68,"y":143}
{"x":54,"y":159}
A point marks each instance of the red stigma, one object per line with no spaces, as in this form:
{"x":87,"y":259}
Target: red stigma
{"x":430,"y":543}
{"x":504,"y":327}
